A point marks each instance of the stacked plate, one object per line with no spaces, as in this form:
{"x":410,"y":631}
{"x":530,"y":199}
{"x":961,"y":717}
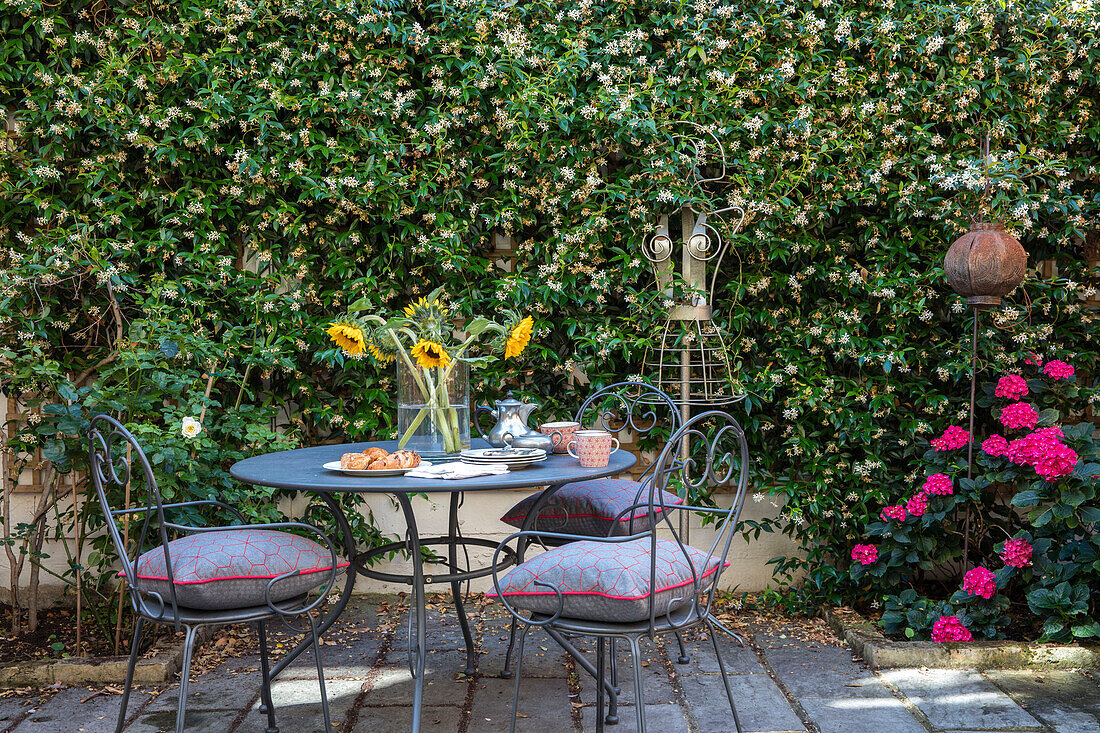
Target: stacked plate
{"x":513,"y":458}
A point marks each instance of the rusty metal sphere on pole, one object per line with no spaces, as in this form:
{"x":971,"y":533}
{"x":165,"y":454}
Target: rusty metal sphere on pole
{"x":985,"y":264}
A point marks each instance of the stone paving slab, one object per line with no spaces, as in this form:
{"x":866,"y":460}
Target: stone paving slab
{"x":98,"y":713}
{"x":865,"y":714}
{"x":1067,"y":701}
{"x":370,"y":688}
{"x":960,"y":700}
{"x":824,"y":672}
{"x":544,"y":705}
{"x":761,"y":705}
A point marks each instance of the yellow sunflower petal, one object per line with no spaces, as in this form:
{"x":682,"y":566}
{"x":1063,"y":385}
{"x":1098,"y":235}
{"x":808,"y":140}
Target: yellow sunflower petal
{"x":518,"y":338}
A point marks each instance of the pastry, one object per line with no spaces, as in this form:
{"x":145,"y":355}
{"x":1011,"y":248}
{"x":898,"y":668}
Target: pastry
{"x":354,"y":461}
{"x":374,"y":452}
{"x":408,"y":458}
{"x":385,"y":463}
{"x":392,"y":461}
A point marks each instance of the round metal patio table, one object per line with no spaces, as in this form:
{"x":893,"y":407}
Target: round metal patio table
{"x":300,"y":470}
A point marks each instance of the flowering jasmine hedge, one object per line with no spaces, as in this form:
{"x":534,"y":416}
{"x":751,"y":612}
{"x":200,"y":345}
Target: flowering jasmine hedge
{"x":193,"y":185}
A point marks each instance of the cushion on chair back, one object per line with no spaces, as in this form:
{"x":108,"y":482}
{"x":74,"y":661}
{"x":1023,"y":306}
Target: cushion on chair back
{"x":231,"y":568}
{"x":592,"y":508}
{"x":606,"y":581}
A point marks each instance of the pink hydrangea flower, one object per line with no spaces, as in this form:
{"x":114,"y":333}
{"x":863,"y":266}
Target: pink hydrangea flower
{"x":893,"y":512}
{"x":953,"y":438}
{"x":1011,"y":386}
{"x":1055,"y":460}
{"x":865,"y":554}
{"x":980,"y":582}
{"x":949,"y":628}
{"x":1033,"y":359}
{"x":939,"y":484}
{"x":1058,"y":370}
{"x":1016,"y":553}
{"x":995,"y":445}
{"x":1044,"y":451}
{"x":917,"y":504}
{"x":1019,"y":415}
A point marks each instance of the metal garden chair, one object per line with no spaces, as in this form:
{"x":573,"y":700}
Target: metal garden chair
{"x":640,"y":585}
{"x":602,"y":507}
{"x":208,"y":575}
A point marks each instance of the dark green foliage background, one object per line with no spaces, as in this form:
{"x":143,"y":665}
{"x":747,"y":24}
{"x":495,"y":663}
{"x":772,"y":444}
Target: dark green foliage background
{"x":219,"y":178}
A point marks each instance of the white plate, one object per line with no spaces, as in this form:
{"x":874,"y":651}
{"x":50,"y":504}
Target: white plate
{"x":503,"y":454}
{"x":335,"y":466}
{"x":512,"y":465}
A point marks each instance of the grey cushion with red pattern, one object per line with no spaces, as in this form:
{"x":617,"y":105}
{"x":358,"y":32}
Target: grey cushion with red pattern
{"x":231,"y":568}
{"x":592,"y":508}
{"x":608,"y":581}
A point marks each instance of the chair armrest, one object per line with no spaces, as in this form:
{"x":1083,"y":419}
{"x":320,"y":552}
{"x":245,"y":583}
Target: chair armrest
{"x":293,"y":573}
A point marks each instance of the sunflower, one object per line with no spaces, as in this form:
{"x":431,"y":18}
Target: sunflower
{"x":380,"y":350}
{"x":426,"y":311}
{"x":348,"y":337}
{"x":518,"y":338}
{"x":430,"y":354}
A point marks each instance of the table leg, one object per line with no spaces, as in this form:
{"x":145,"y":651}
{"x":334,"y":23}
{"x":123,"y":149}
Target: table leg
{"x":418,"y":614}
{"x":456,"y":587}
{"x":347,"y":539}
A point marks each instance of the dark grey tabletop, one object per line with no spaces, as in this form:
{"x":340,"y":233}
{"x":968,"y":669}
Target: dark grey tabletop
{"x":301,"y":469}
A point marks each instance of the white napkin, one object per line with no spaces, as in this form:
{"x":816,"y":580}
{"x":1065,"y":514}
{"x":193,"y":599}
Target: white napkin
{"x":456,"y":470}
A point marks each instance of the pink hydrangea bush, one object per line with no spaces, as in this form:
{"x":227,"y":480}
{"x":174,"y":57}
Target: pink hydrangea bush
{"x":1036,"y":482}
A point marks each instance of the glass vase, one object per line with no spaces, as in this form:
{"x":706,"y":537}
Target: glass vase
{"x":433,"y":409}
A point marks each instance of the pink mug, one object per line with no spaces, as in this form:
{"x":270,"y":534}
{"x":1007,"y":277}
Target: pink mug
{"x":564,"y":429}
{"x":593,"y":447}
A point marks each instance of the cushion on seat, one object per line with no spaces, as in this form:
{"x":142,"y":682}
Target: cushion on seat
{"x":231,"y":569}
{"x":607,"y":581}
{"x":592,"y":508}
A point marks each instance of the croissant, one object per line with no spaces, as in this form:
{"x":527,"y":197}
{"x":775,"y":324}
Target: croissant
{"x":354,"y":461}
{"x":408,"y":458}
{"x":374,"y":452}
{"x":385,"y":463}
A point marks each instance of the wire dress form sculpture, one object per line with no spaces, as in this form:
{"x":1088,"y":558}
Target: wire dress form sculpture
{"x":692,"y":363}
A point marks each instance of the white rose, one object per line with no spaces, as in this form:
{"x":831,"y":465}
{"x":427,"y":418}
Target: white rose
{"x":191,"y":427}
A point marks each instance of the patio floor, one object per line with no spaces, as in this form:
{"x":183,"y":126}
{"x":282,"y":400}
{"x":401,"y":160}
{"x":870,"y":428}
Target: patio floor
{"x":790,"y":678}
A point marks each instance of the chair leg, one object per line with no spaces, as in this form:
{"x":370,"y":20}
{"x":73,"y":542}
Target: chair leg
{"x":639,"y":695}
{"x":507,"y":671}
{"x":725,"y":678}
{"x":683,"y":652}
{"x":320,"y":672}
{"x":614,"y":667}
{"x":267,"y":706}
{"x":185,"y":675}
{"x":519,"y":677}
{"x":135,"y":651}
{"x":601,"y":653}
{"x":612,"y":717}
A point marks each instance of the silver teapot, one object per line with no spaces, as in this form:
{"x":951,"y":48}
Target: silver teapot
{"x":511,"y":428}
